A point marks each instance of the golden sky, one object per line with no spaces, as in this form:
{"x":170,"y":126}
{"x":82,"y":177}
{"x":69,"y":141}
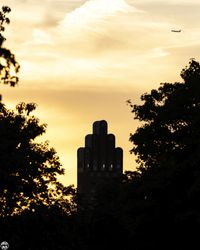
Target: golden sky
{"x":82,"y":59}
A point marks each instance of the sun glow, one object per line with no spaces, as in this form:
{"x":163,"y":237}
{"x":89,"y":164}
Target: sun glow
{"x":83,"y":59}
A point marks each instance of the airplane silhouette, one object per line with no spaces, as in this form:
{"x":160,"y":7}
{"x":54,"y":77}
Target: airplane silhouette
{"x":175,"y":30}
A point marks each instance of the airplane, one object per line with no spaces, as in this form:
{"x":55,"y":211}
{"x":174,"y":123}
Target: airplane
{"x":175,"y":30}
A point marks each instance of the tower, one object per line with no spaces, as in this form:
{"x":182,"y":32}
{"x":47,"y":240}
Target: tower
{"x":99,"y":160}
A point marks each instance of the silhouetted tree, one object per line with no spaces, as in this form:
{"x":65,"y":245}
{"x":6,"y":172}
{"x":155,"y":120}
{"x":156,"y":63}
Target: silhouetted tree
{"x":8,"y":64}
{"x":171,"y":120}
{"x":47,"y":228}
{"x":36,"y":210}
{"x":28,"y":169}
{"x":165,"y":191}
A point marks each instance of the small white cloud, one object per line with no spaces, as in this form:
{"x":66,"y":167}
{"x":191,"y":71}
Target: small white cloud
{"x":40,"y":37}
{"x":158,"y":52}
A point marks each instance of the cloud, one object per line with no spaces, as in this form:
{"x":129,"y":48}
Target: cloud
{"x":81,"y":60}
{"x":98,"y":40}
{"x":93,"y":12}
{"x":40,"y":37}
{"x":96,"y":27}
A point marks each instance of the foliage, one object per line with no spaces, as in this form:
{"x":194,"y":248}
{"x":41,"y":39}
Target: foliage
{"x":171,"y":120}
{"x":155,"y":207}
{"x":166,"y":185}
{"x":28,"y":170}
{"x":8,"y":64}
{"x":36,"y":210}
{"x":47,"y":228}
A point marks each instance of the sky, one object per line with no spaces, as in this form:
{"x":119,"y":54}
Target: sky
{"x":82,"y":59}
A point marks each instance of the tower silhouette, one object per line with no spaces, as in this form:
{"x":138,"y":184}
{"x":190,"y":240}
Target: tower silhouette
{"x":99,"y":160}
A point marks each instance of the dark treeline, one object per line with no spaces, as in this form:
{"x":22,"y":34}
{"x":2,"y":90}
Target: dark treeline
{"x":154,"y":207}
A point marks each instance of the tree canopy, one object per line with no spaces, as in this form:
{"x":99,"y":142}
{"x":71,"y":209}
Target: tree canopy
{"x":9,"y":67}
{"x":170,"y":117}
{"x":166,"y":184}
{"x":154,"y":207}
{"x":28,"y":169}
{"x":36,"y":210}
